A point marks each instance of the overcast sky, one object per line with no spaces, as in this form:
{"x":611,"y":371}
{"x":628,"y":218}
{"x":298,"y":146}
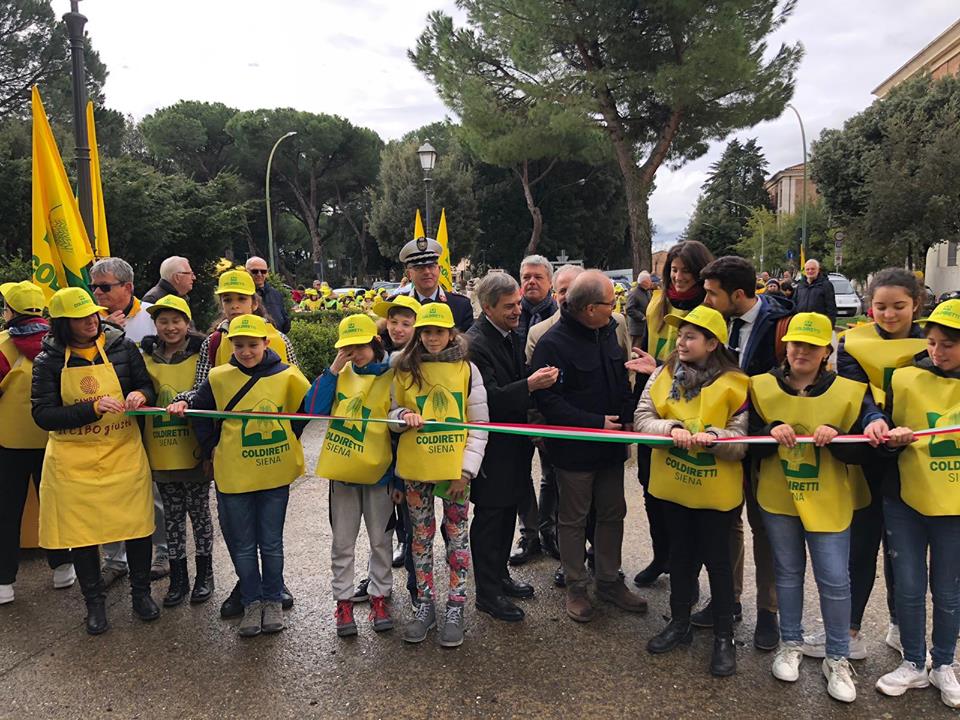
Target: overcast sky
{"x":348,"y":57}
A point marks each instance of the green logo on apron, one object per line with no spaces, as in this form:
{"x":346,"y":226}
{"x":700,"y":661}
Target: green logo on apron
{"x":257,"y":432}
{"x":355,"y":408}
{"x":164,"y":397}
{"x":440,"y":404}
{"x":947,"y":447}
{"x":802,"y":460}
{"x":704,"y":459}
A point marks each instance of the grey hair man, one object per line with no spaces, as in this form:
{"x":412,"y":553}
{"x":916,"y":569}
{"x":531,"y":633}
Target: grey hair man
{"x":536,"y":274}
{"x":176,"y":278}
{"x":271,"y":298}
{"x":815,"y":292}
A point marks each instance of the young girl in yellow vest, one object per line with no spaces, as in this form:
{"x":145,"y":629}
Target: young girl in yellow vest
{"x":171,"y":358}
{"x":254,"y":462}
{"x":921,"y":508}
{"x":696,"y":397}
{"x":22,"y":443}
{"x":357,"y":458}
{"x":435,"y":381}
{"x":805,"y":494}
{"x":869,"y":354}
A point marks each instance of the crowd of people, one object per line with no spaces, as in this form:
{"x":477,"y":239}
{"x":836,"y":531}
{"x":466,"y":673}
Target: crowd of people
{"x":713,"y":359}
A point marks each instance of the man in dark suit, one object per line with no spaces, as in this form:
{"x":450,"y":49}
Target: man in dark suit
{"x":497,"y":351}
{"x":421,"y":258}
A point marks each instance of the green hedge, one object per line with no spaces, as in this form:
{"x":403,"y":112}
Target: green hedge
{"x":313,"y":342}
{"x":326,"y":317}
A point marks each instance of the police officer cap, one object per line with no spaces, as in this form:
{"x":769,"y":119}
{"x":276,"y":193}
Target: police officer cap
{"x":422,"y":251}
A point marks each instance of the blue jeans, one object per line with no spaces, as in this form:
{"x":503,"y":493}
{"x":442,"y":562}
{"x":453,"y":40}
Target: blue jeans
{"x":909,"y":534}
{"x":830,"y":557}
{"x":253,"y":521}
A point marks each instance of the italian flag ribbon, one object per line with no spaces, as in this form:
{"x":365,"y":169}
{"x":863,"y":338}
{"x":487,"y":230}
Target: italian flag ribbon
{"x":553,"y":432}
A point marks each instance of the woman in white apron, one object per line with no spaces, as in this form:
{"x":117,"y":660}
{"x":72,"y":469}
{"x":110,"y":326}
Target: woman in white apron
{"x":96,"y":485}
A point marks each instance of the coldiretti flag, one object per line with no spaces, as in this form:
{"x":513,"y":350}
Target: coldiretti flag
{"x":418,"y":227}
{"x":446,"y":276}
{"x":101,"y":242}
{"x":61,"y":250}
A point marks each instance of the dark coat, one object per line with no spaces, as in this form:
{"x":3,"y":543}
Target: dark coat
{"x":48,"y":409}
{"x":161,"y":290}
{"x":818,"y":297}
{"x":636,"y":311}
{"x":761,"y":349}
{"x":504,"y":478}
{"x":273,"y":302}
{"x":592,"y":383}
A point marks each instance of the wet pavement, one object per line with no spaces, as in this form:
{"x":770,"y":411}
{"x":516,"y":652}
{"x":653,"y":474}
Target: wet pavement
{"x":191,"y":664}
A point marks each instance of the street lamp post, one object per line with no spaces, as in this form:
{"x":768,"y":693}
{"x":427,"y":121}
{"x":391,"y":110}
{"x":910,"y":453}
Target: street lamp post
{"x":762,"y":239}
{"x":75,"y":22}
{"x":803,"y":200}
{"x":269,"y":214}
{"x":428,"y":160}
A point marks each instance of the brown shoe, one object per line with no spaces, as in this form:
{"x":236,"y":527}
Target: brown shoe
{"x":160,"y":567}
{"x":578,"y":605}
{"x":617,"y":594}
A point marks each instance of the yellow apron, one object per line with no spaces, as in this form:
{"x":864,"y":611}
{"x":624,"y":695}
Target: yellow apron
{"x":257,"y":454}
{"x":17,"y":428}
{"x":806,"y":481}
{"x":170,"y":441}
{"x":929,"y":467}
{"x":356,"y":451}
{"x":879,"y":357}
{"x":225,"y":349}
{"x":434,"y":454}
{"x":698,"y":480}
{"x":661,"y":341}
{"x":96,"y":484}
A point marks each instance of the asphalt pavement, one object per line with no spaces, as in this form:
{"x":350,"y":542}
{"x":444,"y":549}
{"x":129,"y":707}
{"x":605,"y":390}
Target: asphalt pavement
{"x":192,"y":664}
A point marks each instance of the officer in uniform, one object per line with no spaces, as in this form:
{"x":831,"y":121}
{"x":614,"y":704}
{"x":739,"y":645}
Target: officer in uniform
{"x":421,"y":259}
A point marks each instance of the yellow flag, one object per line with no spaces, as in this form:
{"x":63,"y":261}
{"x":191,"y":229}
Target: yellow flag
{"x":446,"y":276}
{"x":61,"y":250}
{"x":418,"y":227}
{"x":803,"y":257}
{"x":101,"y":242}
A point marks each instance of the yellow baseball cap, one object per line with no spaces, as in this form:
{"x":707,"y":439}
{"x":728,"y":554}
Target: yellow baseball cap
{"x":946,"y":313}
{"x":434,"y":314}
{"x":811,"y":328}
{"x":247,"y":326}
{"x":383,"y":307}
{"x":170,"y":302}
{"x":311,"y":292}
{"x":704,"y":317}
{"x":355,"y":330}
{"x":23,"y":298}
{"x":236,"y":281}
{"x":73,"y":302}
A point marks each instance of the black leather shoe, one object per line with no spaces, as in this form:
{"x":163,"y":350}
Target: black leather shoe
{"x":514,"y":589}
{"x":649,"y":575}
{"x":559,"y":578}
{"x":527,"y":549}
{"x":232,"y":607}
{"x":96,"y":616}
{"x":723,"y":661}
{"x":203,"y":583}
{"x":767,"y":634}
{"x":548,"y":542}
{"x":500,"y":608}
{"x":704,"y":618}
{"x":179,"y":583}
{"x":145,"y":608}
{"x":398,"y":555}
{"x":676,"y":633}
{"x":286,"y":599}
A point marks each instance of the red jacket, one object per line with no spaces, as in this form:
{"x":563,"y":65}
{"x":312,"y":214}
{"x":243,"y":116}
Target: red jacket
{"x":28,"y":344}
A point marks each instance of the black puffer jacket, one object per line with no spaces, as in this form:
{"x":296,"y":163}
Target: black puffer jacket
{"x":49,"y":411}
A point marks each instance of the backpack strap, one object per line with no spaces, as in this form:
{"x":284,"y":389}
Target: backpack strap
{"x":780,"y":347}
{"x":216,"y":337}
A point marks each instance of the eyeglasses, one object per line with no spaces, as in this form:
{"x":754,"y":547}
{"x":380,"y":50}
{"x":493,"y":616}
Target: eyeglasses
{"x":259,"y":272}
{"x":104,"y":287}
{"x":186,"y":272}
{"x":611,"y":304}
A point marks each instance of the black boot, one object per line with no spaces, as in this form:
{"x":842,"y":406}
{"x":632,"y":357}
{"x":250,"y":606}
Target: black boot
{"x":723,"y":662}
{"x":232,"y":607}
{"x":86,"y":562}
{"x":143,"y":605}
{"x":649,"y":575}
{"x":678,"y":632}
{"x":179,"y":583}
{"x":203,"y":583}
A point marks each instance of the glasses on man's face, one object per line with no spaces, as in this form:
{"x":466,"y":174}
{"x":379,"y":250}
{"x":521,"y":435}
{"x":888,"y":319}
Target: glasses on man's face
{"x":258,"y":272}
{"x":611,"y":304}
{"x":104,"y":287}
{"x":187,"y":272}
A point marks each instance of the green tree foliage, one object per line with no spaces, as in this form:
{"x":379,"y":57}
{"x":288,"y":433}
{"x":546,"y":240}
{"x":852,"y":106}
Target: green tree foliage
{"x":191,"y":137}
{"x":781,"y":236}
{"x":660,"y":79}
{"x":889,"y":176}
{"x":733,"y":188}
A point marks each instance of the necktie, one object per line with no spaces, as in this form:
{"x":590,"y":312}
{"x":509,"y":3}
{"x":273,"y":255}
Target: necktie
{"x":736,"y":326}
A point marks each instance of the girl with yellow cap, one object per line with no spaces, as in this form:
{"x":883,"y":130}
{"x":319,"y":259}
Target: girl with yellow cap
{"x":357,"y":458}
{"x":96,"y":485}
{"x":921,"y":507}
{"x":435,"y":381}
{"x":697,"y":396}
{"x":806,"y":494}
{"x":22,"y":443}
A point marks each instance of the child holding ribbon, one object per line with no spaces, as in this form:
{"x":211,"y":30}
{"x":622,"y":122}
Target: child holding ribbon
{"x":434,"y":381}
{"x":357,"y":458}
{"x":697,"y":396}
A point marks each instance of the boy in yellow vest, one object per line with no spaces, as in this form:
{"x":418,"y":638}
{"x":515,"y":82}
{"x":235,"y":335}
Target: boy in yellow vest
{"x":254,"y":461}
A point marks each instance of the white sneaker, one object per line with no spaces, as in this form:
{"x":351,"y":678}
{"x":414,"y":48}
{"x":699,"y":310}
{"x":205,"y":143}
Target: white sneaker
{"x":6,"y":594}
{"x":945,"y":680}
{"x":858,"y":647}
{"x":906,"y":677}
{"x":815,"y":645}
{"x":839,"y":674}
{"x":893,"y":638}
{"x":64,"y":576}
{"x":786,"y":663}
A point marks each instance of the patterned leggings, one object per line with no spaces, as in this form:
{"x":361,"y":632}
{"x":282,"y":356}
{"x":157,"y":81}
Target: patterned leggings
{"x":179,"y":499}
{"x":423,"y":523}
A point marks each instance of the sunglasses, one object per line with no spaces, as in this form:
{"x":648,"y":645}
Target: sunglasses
{"x":259,"y":272}
{"x":104,"y":287}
